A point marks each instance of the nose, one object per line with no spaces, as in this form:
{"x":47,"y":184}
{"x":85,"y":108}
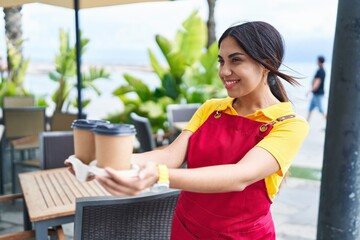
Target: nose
{"x":224,"y":71}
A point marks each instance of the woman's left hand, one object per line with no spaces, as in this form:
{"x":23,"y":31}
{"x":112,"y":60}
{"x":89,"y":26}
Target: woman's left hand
{"x":117,"y":184}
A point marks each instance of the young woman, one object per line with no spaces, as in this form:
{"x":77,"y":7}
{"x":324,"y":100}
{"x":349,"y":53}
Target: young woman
{"x":237,"y":149}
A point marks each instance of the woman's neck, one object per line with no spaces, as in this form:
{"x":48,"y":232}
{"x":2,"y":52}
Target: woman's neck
{"x":247,"y":105}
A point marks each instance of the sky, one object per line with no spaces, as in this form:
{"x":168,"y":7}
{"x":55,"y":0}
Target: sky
{"x":122,"y":34}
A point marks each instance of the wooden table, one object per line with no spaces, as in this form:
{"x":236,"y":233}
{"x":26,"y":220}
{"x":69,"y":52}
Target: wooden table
{"x":50,"y":197}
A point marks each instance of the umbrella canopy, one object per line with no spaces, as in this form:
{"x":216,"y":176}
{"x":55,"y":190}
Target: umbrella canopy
{"x":70,"y":3}
{"x":76,"y":5}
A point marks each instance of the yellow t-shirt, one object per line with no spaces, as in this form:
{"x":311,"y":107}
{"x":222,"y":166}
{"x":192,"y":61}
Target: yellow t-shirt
{"x":283,"y":141}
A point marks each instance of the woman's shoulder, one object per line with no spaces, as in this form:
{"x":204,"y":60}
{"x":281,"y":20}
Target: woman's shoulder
{"x":284,"y":112}
{"x":288,"y":118}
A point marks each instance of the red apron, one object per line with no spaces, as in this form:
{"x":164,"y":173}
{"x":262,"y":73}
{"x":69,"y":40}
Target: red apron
{"x":245,"y":215}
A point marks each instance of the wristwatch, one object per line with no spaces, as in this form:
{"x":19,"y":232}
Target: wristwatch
{"x":163,"y":182}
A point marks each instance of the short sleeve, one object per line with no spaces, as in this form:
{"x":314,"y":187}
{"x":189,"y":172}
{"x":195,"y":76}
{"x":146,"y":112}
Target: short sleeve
{"x":284,"y":141}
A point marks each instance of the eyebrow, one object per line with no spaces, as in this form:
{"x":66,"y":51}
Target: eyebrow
{"x":233,"y":54}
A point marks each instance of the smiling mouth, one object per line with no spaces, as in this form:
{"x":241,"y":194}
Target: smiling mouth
{"x":227,"y":83}
{"x":230,"y":84}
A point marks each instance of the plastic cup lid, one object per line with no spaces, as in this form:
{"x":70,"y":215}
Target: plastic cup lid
{"x":87,"y":124}
{"x":115,"y":129}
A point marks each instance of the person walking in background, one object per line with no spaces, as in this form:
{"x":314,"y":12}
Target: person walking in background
{"x":238,"y":149}
{"x":317,"y":89}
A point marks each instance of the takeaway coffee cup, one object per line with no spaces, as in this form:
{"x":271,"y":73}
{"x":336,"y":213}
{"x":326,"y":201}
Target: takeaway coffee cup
{"x":84,"y":141}
{"x":114,"y":145}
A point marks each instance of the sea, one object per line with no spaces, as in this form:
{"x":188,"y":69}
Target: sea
{"x":37,"y":82}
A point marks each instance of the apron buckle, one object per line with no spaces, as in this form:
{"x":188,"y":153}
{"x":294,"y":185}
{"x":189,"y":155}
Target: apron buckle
{"x":264,"y":127}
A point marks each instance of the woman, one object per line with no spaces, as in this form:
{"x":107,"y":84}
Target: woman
{"x":237,"y":149}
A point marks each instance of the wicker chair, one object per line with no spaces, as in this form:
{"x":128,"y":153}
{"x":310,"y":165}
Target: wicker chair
{"x":143,"y":132}
{"x":18,"y":101}
{"x":62,"y":121}
{"x":179,"y":113}
{"x":147,"y":216}
{"x":55,"y":147}
{"x":22,"y":128}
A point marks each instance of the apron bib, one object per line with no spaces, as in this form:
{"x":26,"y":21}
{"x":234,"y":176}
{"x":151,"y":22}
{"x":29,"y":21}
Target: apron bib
{"x":245,"y":215}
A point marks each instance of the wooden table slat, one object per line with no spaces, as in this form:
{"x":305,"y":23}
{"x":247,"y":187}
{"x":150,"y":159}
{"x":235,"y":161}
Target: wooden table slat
{"x":52,"y":193}
{"x":91,"y":188}
{"x":33,"y":201}
{"x":41,"y":183}
{"x":69,"y":181}
{"x":59,"y":194}
{"x":80,"y":186}
{"x":101,"y":191}
{"x":68,"y":191}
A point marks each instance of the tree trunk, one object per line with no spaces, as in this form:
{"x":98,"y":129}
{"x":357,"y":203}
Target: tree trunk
{"x":211,"y":23}
{"x":13,"y":29}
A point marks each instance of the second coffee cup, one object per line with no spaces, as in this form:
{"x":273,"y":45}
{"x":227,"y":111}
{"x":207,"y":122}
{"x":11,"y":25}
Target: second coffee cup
{"x":114,"y":145}
{"x":84,"y":141}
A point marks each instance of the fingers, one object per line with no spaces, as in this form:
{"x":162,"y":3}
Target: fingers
{"x":90,"y":178}
{"x":71,"y":170}
{"x":118,"y":184}
{"x":115,"y":188}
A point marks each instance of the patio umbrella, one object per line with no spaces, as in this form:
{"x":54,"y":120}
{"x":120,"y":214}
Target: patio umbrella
{"x":76,"y":5}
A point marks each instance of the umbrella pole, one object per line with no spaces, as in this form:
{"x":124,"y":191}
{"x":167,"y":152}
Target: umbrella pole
{"x":78,"y":58}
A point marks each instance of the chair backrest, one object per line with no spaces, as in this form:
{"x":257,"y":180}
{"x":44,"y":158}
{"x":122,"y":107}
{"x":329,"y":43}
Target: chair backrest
{"x":21,"y":122}
{"x":55,"y":147}
{"x":143,"y":132}
{"x":18,"y":101}
{"x":148,"y":216}
{"x":180,"y":113}
{"x":62,"y":121}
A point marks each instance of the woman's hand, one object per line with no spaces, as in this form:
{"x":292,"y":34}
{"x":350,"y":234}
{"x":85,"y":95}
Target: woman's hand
{"x":70,"y":168}
{"x":117,"y":184}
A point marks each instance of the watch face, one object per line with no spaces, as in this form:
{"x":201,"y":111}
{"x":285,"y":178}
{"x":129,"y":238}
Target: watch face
{"x":159,"y":187}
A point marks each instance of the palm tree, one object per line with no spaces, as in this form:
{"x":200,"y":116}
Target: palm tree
{"x":211,"y":23}
{"x":13,"y":29}
{"x":16,"y":64}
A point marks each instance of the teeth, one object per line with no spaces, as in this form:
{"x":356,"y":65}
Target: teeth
{"x":230,"y":82}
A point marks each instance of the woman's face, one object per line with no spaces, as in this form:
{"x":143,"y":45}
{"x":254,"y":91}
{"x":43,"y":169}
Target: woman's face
{"x":240,"y":74}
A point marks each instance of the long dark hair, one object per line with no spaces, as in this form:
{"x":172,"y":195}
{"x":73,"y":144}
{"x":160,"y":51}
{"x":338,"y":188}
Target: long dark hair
{"x":262,"y":42}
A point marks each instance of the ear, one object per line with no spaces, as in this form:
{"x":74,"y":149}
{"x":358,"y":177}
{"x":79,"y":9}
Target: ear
{"x":266,"y":70}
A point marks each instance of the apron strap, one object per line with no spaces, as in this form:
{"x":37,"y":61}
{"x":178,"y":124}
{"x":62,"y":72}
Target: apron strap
{"x":264,"y":127}
{"x":280,"y":119}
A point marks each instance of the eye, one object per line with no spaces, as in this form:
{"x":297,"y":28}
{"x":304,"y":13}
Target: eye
{"x":221,"y":61}
{"x":236,"y":59}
